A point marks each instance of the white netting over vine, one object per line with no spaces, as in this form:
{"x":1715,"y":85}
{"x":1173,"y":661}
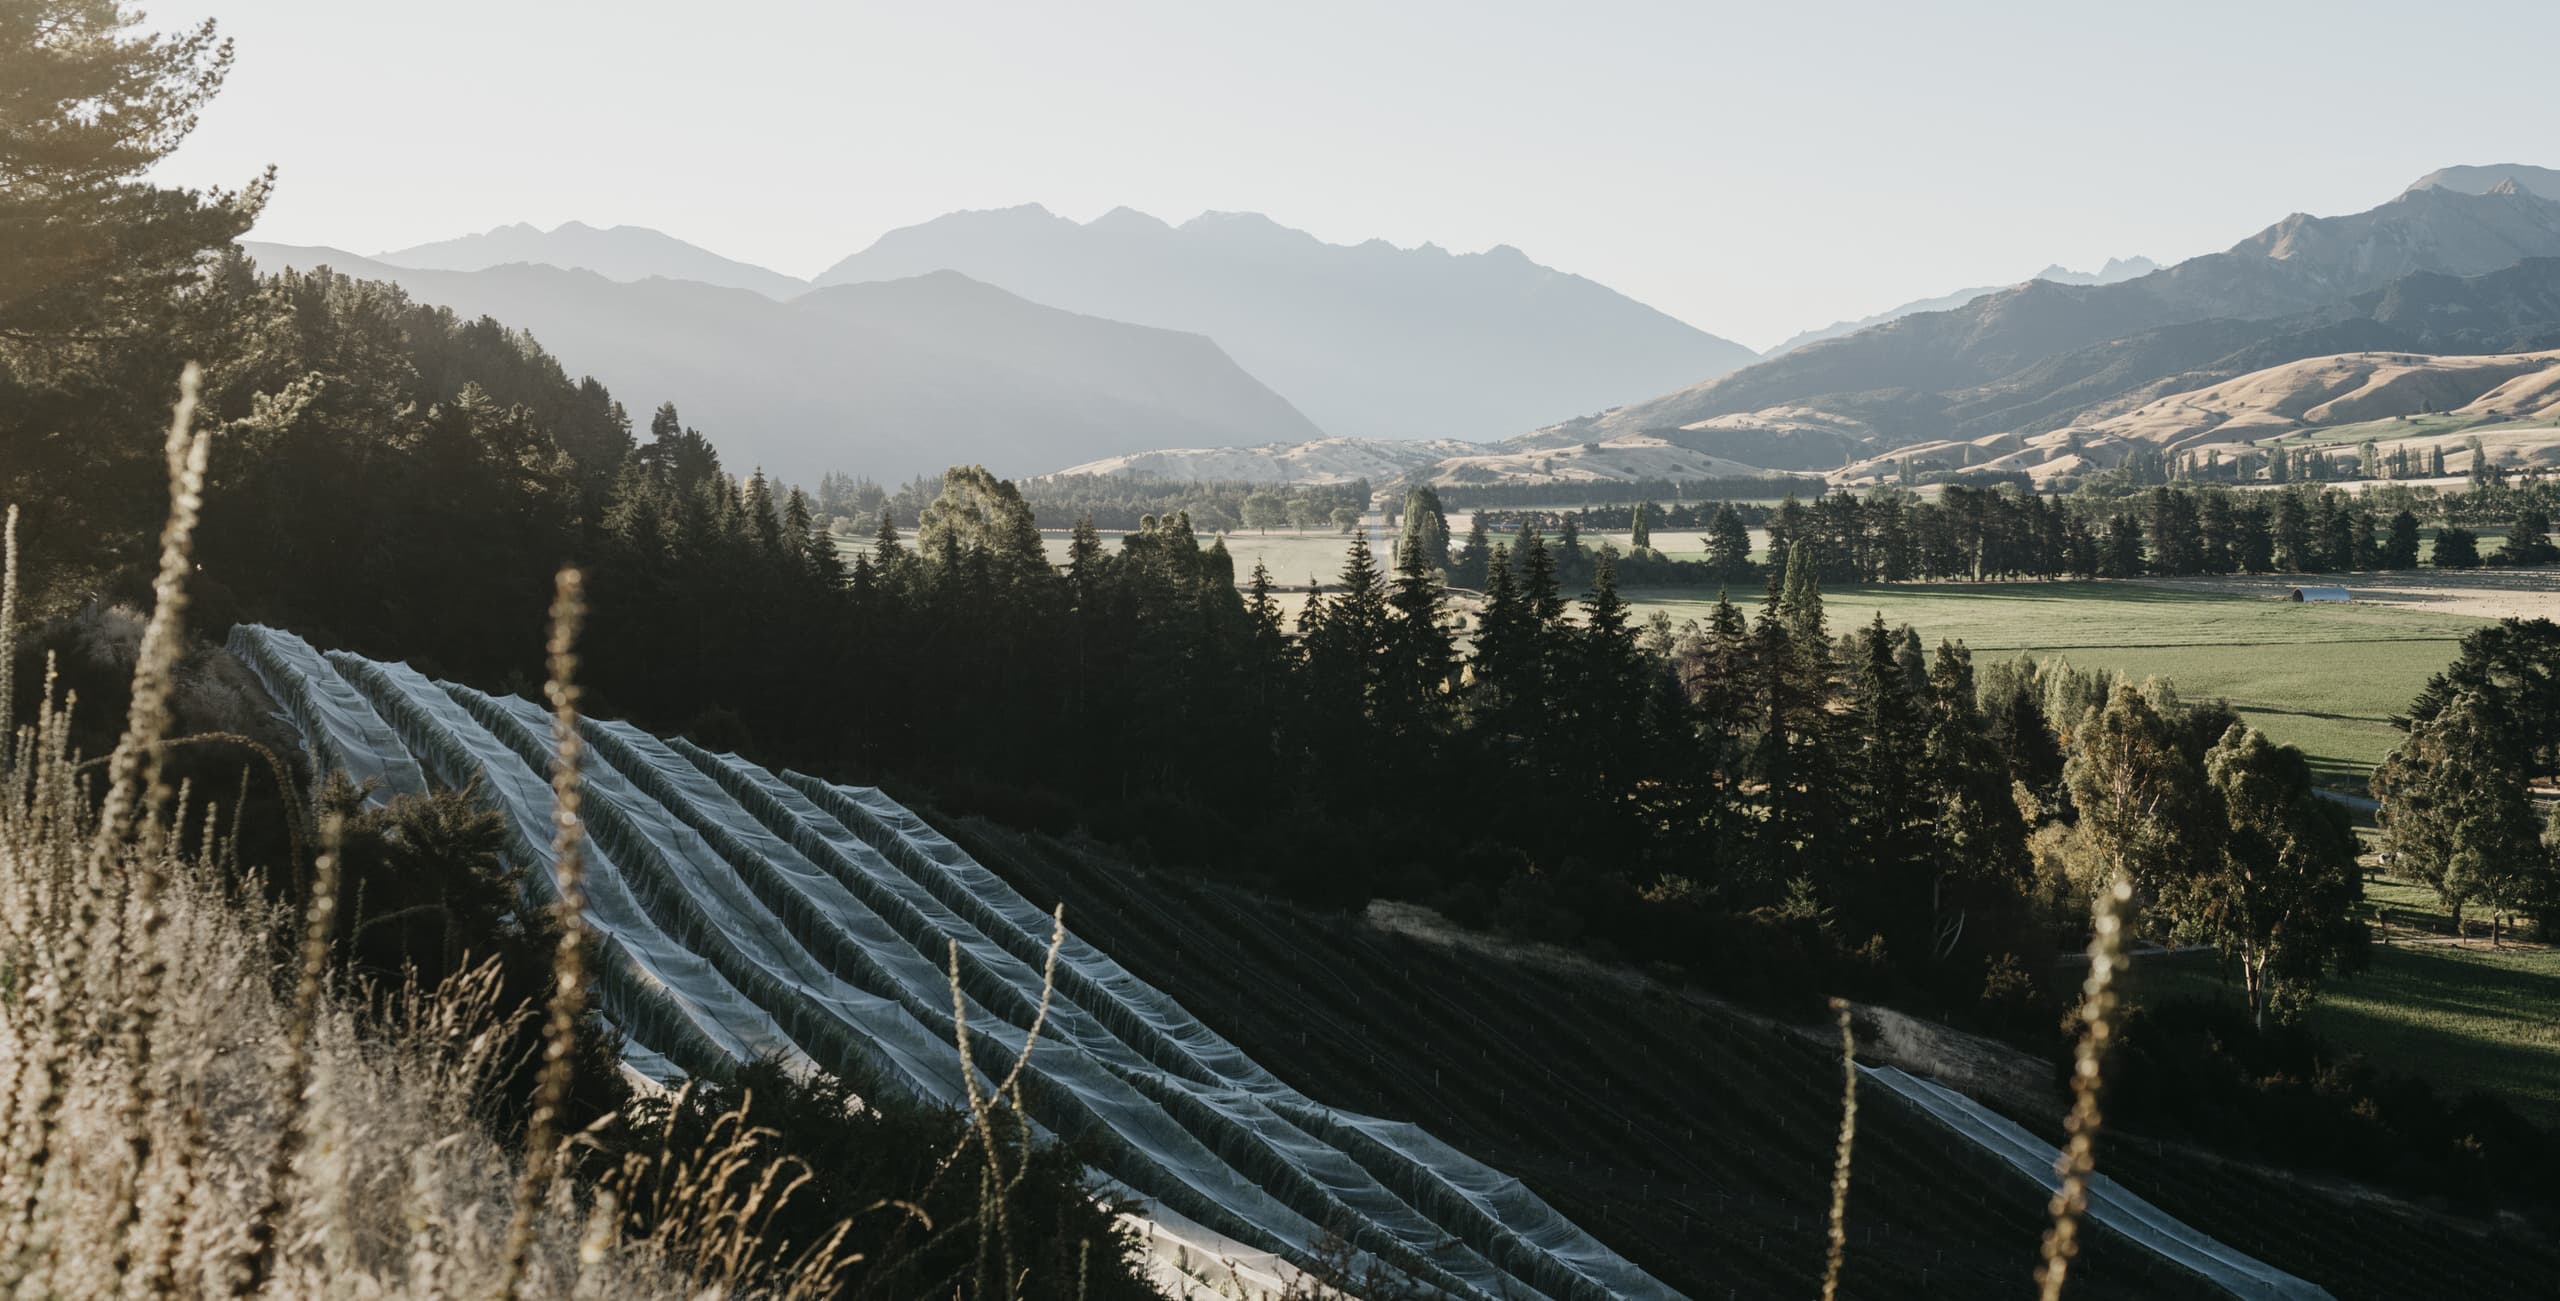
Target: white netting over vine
{"x":743,"y":912}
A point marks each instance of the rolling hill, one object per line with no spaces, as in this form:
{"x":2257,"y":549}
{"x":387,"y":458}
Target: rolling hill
{"x":888,"y":379}
{"x":2510,"y":401}
{"x":2032,"y":356}
{"x":1371,"y":341}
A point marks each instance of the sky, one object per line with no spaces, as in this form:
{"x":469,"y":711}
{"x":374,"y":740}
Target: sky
{"x":1753,"y":169}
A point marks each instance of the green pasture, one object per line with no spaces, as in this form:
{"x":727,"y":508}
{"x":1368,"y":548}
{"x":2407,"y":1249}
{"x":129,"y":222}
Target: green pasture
{"x":2464,"y":1016}
{"x":2326,"y":678}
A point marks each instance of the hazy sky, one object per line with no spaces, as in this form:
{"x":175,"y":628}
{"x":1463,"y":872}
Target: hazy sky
{"x":1753,"y":169}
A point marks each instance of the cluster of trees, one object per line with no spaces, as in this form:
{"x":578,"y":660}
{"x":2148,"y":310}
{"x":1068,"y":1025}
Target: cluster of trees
{"x":1467,"y":496}
{"x":2457,"y":811}
{"x":1122,"y":502}
{"x":1118,"y":503}
{"x":392,"y":477}
{"x":1890,"y":535}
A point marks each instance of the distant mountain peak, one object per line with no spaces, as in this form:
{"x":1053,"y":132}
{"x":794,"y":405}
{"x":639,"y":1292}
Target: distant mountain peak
{"x":1368,"y":339}
{"x":2492,"y":178}
{"x":1126,"y":218}
{"x":623,"y":253}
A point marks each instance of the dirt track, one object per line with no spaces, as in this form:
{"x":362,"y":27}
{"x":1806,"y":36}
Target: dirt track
{"x":2485,"y":594}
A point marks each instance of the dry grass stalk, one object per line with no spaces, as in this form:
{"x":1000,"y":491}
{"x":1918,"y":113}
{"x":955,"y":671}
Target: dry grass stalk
{"x":996,"y":1185}
{"x":2088,"y":1077}
{"x":139,"y":1143}
{"x":293,"y":1078}
{"x":8,"y":628}
{"x":568,"y":967}
{"x":1839,"y":1244}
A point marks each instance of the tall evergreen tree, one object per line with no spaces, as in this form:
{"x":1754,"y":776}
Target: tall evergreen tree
{"x":2401,"y":552}
{"x":1728,"y":544}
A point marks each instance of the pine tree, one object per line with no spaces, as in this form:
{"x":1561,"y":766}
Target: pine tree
{"x":1539,"y":589}
{"x":1978,"y":842}
{"x":1475,"y":556}
{"x":2401,"y":552}
{"x":1891,"y":804}
{"x":2293,"y":541}
{"x":1728,"y":544}
{"x":2529,"y":542}
{"x":90,"y":108}
{"x":763,"y":524}
{"x":1800,"y":602}
{"x":1421,"y":650}
{"x":1505,"y":666}
{"x":2124,"y":547}
{"x":2457,"y":548}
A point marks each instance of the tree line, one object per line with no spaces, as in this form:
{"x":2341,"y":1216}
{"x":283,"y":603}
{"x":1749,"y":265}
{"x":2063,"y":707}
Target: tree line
{"x":1118,"y":502}
{"x":1973,"y":534}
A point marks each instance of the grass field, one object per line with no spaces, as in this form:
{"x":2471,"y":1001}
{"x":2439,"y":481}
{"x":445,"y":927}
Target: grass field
{"x":2466,"y":1017}
{"x":2323,"y":677}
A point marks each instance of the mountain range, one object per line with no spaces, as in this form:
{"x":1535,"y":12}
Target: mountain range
{"x":627,"y":253}
{"x":2041,"y":355}
{"x":1369,"y":340}
{"x":891,"y":379}
{"x":2115,"y":269}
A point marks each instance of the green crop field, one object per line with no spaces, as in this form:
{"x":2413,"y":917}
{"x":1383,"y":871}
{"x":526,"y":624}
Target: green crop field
{"x":2326,"y":678}
{"x":2466,"y":1017}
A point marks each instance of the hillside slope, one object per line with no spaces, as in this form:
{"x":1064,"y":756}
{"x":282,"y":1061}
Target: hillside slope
{"x":1371,"y":341}
{"x":889,"y":380}
{"x":2041,"y":348}
{"x":1695,"y":1140}
{"x":2115,"y":269}
{"x":2416,"y":401}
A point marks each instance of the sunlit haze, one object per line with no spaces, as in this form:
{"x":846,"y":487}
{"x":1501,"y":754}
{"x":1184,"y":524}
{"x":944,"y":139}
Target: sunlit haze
{"x":1752,"y":169}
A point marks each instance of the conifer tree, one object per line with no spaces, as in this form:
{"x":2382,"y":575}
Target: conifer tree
{"x":1891,"y":804}
{"x":2529,"y":542}
{"x":1978,"y":861}
{"x":87,"y":107}
{"x":1539,"y":590}
{"x":1728,"y":544}
{"x":2457,"y":548}
{"x":2401,"y":552}
{"x":1473,"y":558}
{"x":1420,"y":646}
{"x":764,"y":526}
